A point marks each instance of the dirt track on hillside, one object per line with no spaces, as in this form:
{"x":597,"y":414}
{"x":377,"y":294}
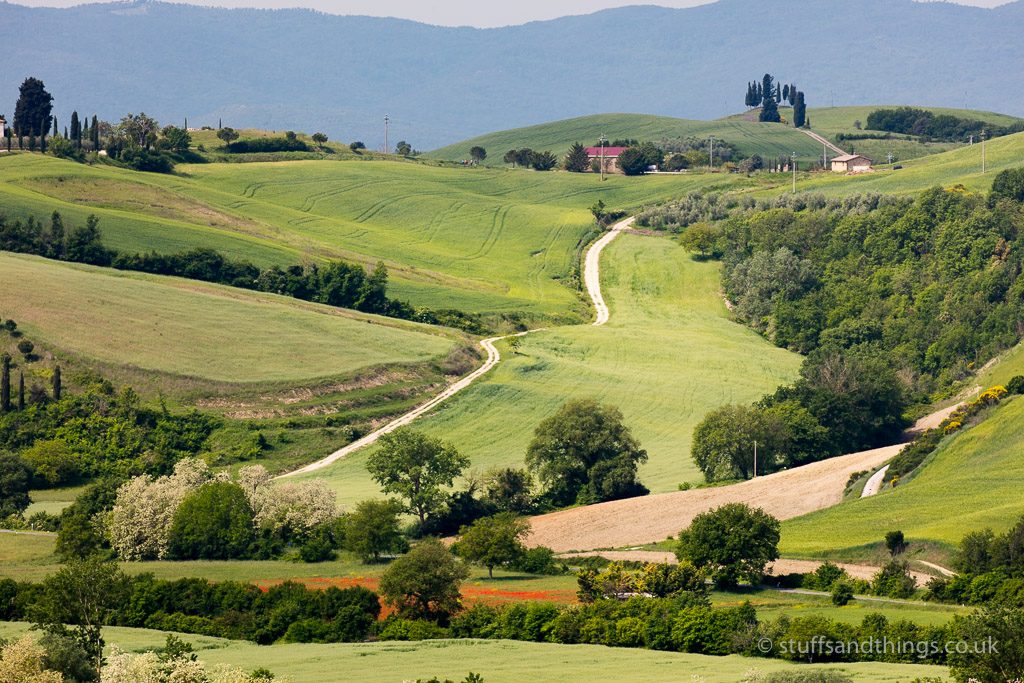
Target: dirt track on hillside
{"x":647,"y":519}
{"x":592,"y":278}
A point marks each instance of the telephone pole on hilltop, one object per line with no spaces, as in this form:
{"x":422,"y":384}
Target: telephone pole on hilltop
{"x":792,"y":158}
{"x":602,"y":141}
{"x":711,"y":154}
{"x":983,"y":160}
{"x":387,"y":121}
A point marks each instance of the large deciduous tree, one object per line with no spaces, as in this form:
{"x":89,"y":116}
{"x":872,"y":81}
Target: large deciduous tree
{"x":425,"y":582}
{"x":494,"y":541}
{"x":584,"y":453}
{"x":417,"y":468}
{"x":214,"y":522}
{"x":733,"y":542}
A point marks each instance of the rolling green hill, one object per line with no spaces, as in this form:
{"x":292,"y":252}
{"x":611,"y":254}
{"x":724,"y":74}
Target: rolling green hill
{"x":768,"y":140}
{"x":971,"y":482}
{"x":668,"y":355}
{"x":195,"y":329}
{"x":475,"y":239}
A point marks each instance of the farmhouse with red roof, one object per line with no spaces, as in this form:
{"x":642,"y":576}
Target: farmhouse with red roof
{"x":609,"y":156}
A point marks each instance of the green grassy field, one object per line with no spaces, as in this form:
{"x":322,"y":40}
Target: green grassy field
{"x":474,"y":239}
{"x":769,"y":140}
{"x":668,"y":355}
{"x":961,"y":166}
{"x":498,"y":661}
{"x":830,"y":121}
{"x":185,"y":327}
{"x":973,"y":481}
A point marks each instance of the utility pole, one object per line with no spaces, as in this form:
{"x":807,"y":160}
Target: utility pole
{"x":824,"y":156}
{"x":792,"y":158}
{"x":387,"y":148}
{"x":602,"y":141}
{"x":983,"y":167}
{"x":711,"y":155}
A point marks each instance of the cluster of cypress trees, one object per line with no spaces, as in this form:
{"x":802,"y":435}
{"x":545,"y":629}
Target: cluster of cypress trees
{"x":34,"y":119}
{"x":6,"y":404}
{"x":769,"y":94}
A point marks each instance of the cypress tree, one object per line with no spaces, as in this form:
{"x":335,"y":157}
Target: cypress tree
{"x":5,"y":383}
{"x":778,"y":93}
{"x":56,"y":383}
{"x":785,"y":92}
{"x":799,"y":111}
{"x":76,"y":129}
{"x":94,"y":128}
{"x":21,"y":390}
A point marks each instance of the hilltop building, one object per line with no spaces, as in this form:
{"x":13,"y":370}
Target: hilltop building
{"x":610,"y":155}
{"x":3,"y":126}
{"x":851,"y":163}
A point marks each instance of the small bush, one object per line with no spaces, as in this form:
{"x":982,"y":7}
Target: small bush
{"x":1016,"y":385}
{"x":842,"y":593}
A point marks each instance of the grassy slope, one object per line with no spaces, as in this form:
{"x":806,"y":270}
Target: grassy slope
{"x":496,"y":660}
{"x":667,"y":357}
{"x":956,"y":167}
{"x":750,"y":137}
{"x":973,"y":481}
{"x":829,"y":121}
{"x":476,"y":239}
{"x":189,"y":328}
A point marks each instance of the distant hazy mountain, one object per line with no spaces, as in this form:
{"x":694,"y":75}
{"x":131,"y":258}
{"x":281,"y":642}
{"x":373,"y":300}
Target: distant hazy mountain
{"x":309,"y":71}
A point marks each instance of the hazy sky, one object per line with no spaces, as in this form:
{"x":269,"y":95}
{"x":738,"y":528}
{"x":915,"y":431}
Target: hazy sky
{"x":482,"y":13}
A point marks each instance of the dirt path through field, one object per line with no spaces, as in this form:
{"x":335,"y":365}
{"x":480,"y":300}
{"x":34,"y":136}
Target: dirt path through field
{"x":592,"y":279}
{"x":822,"y":140}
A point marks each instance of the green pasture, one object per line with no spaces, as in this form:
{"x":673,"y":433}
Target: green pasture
{"x":750,"y":137}
{"x":475,"y":239}
{"x":972,"y":481}
{"x":498,"y":661}
{"x":668,"y":356}
{"x":184,"y":327}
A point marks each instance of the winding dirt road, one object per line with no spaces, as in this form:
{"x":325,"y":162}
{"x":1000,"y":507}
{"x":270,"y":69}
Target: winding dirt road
{"x":592,"y":280}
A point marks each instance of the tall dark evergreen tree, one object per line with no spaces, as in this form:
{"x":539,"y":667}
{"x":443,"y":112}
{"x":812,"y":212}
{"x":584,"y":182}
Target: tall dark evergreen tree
{"x":33,"y":110}
{"x":56,"y":383}
{"x":799,"y":111}
{"x":778,"y":93}
{"x":76,"y":129}
{"x":577,"y":160}
{"x":5,"y":383}
{"x":792,"y":94}
{"x":785,"y":92}
{"x":21,"y":390}
{"x":94,"y":129}
{"x":769,"y":105}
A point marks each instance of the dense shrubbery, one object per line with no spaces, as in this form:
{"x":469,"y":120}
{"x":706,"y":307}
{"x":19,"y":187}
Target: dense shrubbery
{"x":927,"y":124}
{"x":102,"y":432}
{"x":991,"y":570}
{"x":289,"y":143}
{"x":335,"y":283}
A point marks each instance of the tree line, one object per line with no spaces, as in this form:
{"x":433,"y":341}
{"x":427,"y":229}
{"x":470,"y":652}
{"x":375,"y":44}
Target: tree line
{"x":335,"y":283}
{"x":891,"y":299}
{"x":929,"y":125}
